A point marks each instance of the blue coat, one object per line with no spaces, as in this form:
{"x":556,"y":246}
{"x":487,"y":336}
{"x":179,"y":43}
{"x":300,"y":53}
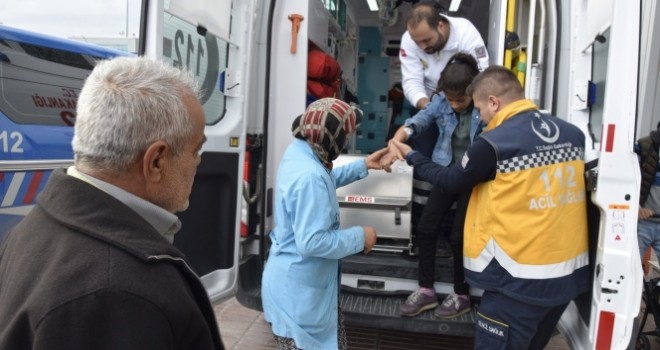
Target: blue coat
{"x":301,"y":280}
{"x":440,"y":112}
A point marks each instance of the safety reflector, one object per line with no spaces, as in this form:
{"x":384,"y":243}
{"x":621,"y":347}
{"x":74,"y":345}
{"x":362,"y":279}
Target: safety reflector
{"x":244,"y":204}
{"x":609,"y":142}
{"x":31,"y":193}
{"x":605,"y":328}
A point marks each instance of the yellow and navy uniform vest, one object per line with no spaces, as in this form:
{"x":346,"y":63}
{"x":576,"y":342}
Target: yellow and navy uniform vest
{"x":526,"y":230}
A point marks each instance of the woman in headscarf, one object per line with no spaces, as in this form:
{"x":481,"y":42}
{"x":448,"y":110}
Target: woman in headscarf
{"x":301,"y":280}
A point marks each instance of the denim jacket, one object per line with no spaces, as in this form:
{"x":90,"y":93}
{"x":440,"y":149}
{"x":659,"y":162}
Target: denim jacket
{"x":440,"y":111}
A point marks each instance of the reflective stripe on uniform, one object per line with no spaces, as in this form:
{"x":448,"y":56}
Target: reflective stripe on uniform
{"x":420,"y":199}
{"x":518,"y":270}
{"x":422,"y":185}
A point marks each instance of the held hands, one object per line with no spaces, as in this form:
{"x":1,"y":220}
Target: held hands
{"x":393,"y":154}
{"x":384,"y":158}
{"x":373,"y":161}
{"x":396,"y":151}
{"x":402,"y":148}
{"x":389,"y":159}
{"x":369,"y":238}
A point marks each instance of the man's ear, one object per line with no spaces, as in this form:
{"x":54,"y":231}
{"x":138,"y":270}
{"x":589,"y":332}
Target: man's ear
{"x":154,"y":160}
{"x":494,"y":102}
{"x":441,"y":27}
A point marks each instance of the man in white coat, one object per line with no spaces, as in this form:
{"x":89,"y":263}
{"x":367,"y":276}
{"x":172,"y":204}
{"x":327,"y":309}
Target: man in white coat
{"x":427,"y":45}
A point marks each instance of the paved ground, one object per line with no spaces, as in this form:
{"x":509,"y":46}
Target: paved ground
{"x":245,"y":329}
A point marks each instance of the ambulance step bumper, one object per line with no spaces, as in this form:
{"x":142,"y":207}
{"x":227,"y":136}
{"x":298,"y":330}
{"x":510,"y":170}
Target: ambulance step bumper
{"x":382,"y":312}
{"x":368,"y":339}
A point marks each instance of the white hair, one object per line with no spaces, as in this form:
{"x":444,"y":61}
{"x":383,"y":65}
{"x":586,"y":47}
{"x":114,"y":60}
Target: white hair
{"x":125,"y":105}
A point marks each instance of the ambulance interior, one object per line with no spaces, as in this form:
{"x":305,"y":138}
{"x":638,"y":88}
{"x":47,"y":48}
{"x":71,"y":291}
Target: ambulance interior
{"x":363,"y":36}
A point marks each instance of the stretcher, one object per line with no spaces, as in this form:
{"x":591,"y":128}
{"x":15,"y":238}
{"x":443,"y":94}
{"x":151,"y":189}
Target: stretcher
{"x":381,"y":200}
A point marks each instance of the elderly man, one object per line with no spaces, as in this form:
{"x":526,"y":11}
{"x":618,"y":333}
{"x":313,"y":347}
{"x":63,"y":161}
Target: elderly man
{"x":92,"y":266}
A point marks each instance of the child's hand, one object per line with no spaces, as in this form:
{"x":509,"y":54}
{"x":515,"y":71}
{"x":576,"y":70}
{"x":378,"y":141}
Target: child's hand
{"x":388,"y":159}
{"x":402,"y":148}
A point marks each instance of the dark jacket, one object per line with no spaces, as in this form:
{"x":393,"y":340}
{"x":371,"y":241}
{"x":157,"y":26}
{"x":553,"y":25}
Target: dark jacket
{"x":648,"y":153}
{"x":84,"y":271}
{"x":513,"y":154}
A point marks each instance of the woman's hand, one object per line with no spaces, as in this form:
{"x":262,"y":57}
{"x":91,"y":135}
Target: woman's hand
{"x":369,"y":238}
{"x":373,"y":161}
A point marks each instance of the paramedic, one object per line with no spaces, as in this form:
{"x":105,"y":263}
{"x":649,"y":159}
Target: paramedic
{"x":301,"y":280}
{"x":428,"y":44}
{"x":92,"y":266}
{"x":648,"y":227}
{"x":525,"y":227}
{"x":452,"y":110}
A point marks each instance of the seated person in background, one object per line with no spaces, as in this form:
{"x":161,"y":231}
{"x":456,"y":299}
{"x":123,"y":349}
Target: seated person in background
{"x":648,"y":227}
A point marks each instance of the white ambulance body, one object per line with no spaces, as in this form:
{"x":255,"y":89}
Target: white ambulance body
{"x":585,"y":61}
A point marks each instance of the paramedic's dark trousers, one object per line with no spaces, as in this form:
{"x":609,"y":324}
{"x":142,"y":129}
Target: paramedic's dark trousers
{"x":507,"y":324}
{"x":436,"y":208}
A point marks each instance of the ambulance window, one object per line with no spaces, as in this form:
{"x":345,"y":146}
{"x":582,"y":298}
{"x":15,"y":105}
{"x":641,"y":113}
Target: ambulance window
{"x":58,"y":56}
{"x":205,"y":55}
{"x":601,"y":47}
{"x":40,"y":84}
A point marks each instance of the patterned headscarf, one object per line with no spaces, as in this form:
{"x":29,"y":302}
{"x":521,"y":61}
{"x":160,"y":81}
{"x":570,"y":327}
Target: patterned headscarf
{"x":325,"y":125}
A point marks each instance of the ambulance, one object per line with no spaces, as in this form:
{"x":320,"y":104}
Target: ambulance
{"x":40,"y":78}
{"x":591,"y":62}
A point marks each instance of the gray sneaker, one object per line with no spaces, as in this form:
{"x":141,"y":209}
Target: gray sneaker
{"x":418,"y":302}
{"x":453,"y":305}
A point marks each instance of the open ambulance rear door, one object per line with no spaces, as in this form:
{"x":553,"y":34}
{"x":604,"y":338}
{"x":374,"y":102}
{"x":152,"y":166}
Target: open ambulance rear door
{"x":251,"y":58}
{"x":210,"y":39}
{"x":604,"y":45}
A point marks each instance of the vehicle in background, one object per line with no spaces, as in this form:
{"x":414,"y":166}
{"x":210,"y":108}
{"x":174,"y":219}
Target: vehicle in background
{"x":40,"y":77}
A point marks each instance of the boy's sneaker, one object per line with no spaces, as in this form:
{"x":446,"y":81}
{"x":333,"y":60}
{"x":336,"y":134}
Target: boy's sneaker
{"x":419,"y":301}
{"x":453,"y":305}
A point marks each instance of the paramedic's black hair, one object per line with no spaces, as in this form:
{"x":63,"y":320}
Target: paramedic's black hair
{"x":458,"y":74}
{"x":428,"y":12}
